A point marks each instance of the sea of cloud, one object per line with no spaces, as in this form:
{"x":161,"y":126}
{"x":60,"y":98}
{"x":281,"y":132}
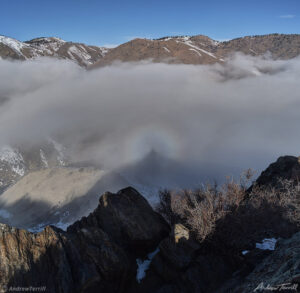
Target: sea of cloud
{"x":210,"y":119}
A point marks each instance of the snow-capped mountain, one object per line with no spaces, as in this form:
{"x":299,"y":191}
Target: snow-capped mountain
{"x":198,"y":49}
{"x":201,"y":49}
{"x":15,"y":162}
{"x":82,"y":54}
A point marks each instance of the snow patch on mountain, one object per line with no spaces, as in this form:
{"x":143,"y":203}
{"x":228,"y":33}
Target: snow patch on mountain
{"x":14,"y":158}
{"x":43,"y":158}
{"x":55,"y":47}
{"x":198,"y":53}
{"x":14,"y":44}
{"x":61,"y":158}
{"x":81,"y":53}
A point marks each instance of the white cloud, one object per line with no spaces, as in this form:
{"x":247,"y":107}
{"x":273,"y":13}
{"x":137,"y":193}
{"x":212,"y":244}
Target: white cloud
{"x":213,"y":118}
{"x":287,"y":16}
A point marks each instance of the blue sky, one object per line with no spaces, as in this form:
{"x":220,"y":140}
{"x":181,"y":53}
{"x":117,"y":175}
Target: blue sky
{"x":114,"y":22}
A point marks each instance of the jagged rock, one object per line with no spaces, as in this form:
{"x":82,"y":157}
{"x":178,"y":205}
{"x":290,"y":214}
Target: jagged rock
{"x":132,"y":222}
{"x":285,"y":168}
{"x":185,"y":266}
{"x":97,"y":253}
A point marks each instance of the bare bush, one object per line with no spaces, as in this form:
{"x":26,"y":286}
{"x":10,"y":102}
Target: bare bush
{"x":287,"y":197}
{"x":202,"y":209}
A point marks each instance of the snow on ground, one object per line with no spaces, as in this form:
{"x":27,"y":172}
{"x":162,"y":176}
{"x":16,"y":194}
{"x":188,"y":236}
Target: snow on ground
{"x":252,"y":51}
{"x":14,"y":158}
{"x":48,"y":45}
{"x":188,"y":42}
{"x":143,"y":265}
{"x":60,"y":149}
{"x":80,"y":53}
{"x":245,"y":252}
{"x":198,"y":53}
{"x":215,"y":43}
{"x":166,"y":39}
{"x":167,"y":49}
{"x":267,"y":244}
{"x":43,"y":158}
{"x":104,"y":51}
{"x":16,"y":45}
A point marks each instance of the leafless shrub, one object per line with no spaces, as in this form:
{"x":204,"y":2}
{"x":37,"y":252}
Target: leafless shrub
{"x":287,"y":197}
{"x":202,"y":209}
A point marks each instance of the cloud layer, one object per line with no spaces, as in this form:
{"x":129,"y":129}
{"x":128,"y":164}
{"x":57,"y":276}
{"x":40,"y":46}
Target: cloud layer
{"x":216,"y":119}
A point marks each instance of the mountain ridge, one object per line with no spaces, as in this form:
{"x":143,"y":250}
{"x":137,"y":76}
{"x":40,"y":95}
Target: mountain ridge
{"x":80,"y":53}
{"x":197,"y":49}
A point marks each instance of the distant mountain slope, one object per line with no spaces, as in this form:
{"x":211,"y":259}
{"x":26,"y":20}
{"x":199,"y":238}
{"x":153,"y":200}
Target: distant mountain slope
{"x":198,"y":49}
{"x":82,"y":54}
{"x":15,"y":162}
{"x":57,"y":195}
{"x":188,"y":50}
{"x":201,"y":49}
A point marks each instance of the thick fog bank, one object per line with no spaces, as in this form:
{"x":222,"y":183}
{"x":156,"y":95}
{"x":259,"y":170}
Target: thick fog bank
{"x":202,"y":121}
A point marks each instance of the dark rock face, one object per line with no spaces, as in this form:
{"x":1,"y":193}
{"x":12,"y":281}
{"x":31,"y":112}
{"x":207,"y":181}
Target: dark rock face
{"x":184,"y":265}
{"x":285,"y":168}
{"x":281,"y":267}
{"x":128,"y":219}
{"x":96,"y":254}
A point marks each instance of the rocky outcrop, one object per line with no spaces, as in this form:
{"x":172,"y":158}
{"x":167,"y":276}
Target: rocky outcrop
{"x":280,"y":270}
{"x":128,"y":219}
{"x":96,"y":254}
{"x":285,"y":168}
{"x":108,"y":250}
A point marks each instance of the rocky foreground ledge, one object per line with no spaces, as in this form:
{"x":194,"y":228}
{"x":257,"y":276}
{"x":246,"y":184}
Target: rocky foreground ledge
{"x":96,"y":254}
{"x":109,"y":250}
